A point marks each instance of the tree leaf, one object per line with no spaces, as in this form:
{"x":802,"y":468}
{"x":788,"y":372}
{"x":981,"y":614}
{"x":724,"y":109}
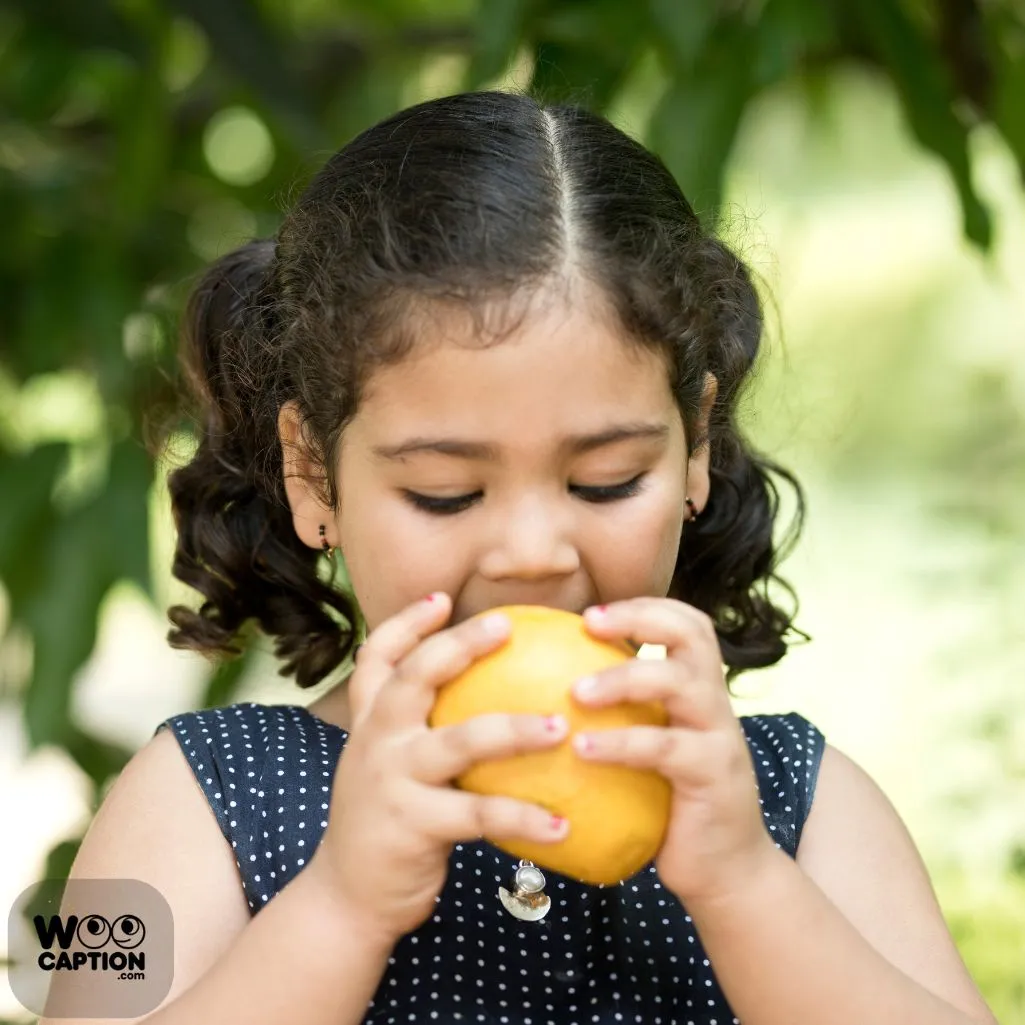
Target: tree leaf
{"x":928,"y":100}
{"x":61,"y":615}
{"x":584,"y":50}
{"x":99,"y":759}
{"x":50,"y":888}
{"x":498,"y":27}
{"x":124,"y":508}
{"x":604,"y":26}
{"x":90,"y":549}
{"x":27,"y":517}
{"x":695,"y":123}
{"x":787,"y":32}
{"x":681,"y":30}
{"x":1007,"y":47}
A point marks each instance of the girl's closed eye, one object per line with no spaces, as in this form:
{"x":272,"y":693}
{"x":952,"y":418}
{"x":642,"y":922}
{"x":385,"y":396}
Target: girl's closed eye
{"x":594,"y":494}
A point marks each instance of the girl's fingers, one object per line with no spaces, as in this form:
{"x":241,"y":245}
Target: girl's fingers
{"x":689,"y":638}
{"x":391,"y":642}
{"x":686,"y":632}
{"x":434,"y":662}
{"x":442,"y":754}
{"x":675,"y":753}
{"x":689,"y":700}
{"x":456,"y":816}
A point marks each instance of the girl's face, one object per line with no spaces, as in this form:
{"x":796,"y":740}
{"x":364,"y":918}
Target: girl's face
{"x":548,"y":469}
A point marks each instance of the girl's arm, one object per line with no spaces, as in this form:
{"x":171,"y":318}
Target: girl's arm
{"x":850,"y":934}
{"x":302,"y":958}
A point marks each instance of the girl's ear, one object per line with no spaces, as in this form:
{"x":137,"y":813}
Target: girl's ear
{"x":698,"y":477}
{"x":303,"y":475}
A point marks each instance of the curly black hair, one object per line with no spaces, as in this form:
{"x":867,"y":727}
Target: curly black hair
{"x":464,"y":199}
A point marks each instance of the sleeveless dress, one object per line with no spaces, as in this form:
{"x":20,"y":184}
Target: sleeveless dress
{"x":603,"y":954}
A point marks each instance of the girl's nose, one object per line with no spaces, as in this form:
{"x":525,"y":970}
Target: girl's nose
{"x":531,"y":543}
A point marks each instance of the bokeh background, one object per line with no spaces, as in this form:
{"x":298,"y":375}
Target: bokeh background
{"x":865,"y":158}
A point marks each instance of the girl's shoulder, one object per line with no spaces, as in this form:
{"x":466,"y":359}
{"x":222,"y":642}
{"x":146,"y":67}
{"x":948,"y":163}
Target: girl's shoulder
{"x":249,"y":722}
{"x":263,"y":769}
{"x":154,"y":827}
{"x":235,"y":739}
{"x":231,"y":745}
{"x":230,"y":748}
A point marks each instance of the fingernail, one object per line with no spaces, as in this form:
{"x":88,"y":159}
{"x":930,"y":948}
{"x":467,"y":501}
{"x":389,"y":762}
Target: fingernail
{"x":596,"y":611}
{"x":555,"y":724}
{"x":433,"y":596}
{"x":496,"y":624}
{"x":583,"y":743}
{"x":556,"y":823}
{"x":585,"y":687}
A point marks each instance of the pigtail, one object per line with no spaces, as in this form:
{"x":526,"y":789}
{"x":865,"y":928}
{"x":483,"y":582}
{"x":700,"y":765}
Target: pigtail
{"x":729,"y":555}
{"x":728,"y":559}
{"x":236,"y":543}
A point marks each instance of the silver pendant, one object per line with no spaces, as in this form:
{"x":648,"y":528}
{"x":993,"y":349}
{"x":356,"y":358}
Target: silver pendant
{"x":528,"y":902}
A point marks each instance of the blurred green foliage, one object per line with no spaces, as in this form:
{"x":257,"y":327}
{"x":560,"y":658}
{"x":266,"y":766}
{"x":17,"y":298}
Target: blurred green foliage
{"x":139,"y":139}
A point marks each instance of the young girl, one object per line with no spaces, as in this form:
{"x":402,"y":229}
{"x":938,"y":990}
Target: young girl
{"x":492,"y":358}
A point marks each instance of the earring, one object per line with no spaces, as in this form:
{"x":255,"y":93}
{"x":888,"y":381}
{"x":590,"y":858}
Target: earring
{"x":693,"y":510}
{"x":328,"y":550}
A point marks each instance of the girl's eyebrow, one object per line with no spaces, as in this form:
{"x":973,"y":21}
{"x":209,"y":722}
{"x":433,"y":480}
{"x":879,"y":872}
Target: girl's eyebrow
{"x":573,"y":444}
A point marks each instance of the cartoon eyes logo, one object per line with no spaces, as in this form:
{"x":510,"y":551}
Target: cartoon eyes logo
{"x":128,"y":931}
{"x":95,"y":931}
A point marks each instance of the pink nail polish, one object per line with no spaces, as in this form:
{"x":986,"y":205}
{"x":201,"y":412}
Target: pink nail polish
{"x":583,"y":743}
{"x":555,"y":724}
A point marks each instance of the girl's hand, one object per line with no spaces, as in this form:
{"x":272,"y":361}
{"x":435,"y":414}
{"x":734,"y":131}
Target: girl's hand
{"x":394,"y":815}
{"x":716,"y":838}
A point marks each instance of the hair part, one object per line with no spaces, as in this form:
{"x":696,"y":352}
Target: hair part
{"x":472,"y":202}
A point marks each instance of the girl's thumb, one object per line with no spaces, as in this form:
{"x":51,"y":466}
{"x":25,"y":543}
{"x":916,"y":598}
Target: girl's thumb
{"x":368,"y":678}
{"x":387,"y":646}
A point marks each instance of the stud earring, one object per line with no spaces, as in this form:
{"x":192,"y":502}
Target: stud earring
{"x":328,"y":550}
{"x":693,"y":510}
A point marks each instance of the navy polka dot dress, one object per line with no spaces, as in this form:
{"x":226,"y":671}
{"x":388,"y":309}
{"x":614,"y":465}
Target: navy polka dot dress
{"x":603,"y":954}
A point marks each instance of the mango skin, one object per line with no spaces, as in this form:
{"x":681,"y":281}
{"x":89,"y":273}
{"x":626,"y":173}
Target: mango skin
{"x":617,"y":815}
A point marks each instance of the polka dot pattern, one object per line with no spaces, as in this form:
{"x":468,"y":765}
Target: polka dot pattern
{"x":603,"y":954}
